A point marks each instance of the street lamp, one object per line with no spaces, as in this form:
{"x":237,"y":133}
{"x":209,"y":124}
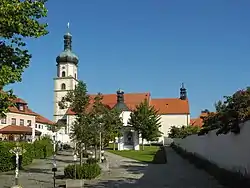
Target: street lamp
{"x":102,"y":156}
{"x":75,"y":159}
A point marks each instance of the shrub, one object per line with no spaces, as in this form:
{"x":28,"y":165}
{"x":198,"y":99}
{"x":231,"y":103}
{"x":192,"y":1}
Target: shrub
{"x":84,"y":171}
{"x":39,"y":149}
{"x":43,"y":148}
{"x":92,"y":161}
{"x":184,"y":131}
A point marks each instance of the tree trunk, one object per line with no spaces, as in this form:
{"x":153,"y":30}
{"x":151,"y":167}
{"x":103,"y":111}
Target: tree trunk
{"x":80,"y":152}
{"x":95,"y":151}
{"x":142,"y":144}
{"x":114,"y":144}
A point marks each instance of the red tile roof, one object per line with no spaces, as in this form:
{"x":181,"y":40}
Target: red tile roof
{"x":27,"y":111}
{"x":164,"y":106}
{"x":171,"y":106}
{"x":198,"y":121}
{"x":43,"y":120}
{"x":131,"y":100}
{"x":15,"y":129}
{"x":19,"y":100}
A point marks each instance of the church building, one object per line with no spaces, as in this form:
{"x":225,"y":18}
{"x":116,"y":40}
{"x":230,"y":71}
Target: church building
{"x":173,"y":111}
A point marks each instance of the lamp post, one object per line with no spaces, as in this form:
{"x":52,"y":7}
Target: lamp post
{"x":100,"y":148}
{"x":54,"y":168}
{"x":75,"y":159}
{"x":17,"y":151}
{"x":102,"y":156}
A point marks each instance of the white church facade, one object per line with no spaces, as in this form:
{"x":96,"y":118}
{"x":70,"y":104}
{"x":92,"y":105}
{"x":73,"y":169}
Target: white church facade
{"x":173,"y":111}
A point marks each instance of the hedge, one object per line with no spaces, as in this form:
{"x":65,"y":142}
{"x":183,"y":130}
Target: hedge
{"x":39,"y":149}
{"x":84,"y":171}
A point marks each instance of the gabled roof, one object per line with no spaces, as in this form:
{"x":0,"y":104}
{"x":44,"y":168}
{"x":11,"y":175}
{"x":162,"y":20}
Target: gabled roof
{"x":15,"y":129}
{"x":43,"y":120}
{"x":27,"y":111}
{"x":170,"y":105}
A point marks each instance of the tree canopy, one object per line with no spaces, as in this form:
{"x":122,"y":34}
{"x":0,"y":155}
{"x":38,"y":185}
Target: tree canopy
{"x":92,"y":117}
{"x":183,"y":131}
{"x":19,"y":20}
{"x":146,"y":121}
{"x":230,"y":112}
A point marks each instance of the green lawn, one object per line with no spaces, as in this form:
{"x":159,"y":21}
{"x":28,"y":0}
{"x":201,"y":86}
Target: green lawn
{"x":147,"y":155}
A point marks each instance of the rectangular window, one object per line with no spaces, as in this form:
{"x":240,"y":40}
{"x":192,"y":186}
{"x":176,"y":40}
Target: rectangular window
{"x":3,"y":120}
{"x":22,"y":122}
{"x":29,"y":122}
{"x":21,"y":107}
{"x":36,"y":125}
{"x":13,"y":121}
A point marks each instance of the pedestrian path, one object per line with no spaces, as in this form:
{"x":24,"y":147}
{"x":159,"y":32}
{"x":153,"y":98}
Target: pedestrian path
{"x":177,"y":173}
{"x":123,"y":173}
{"x":39,"y":173}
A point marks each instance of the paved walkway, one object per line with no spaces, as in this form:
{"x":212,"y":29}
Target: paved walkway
{"x":39,"y":173}
{"x":177,"y":173}
{"x":123,"y":173}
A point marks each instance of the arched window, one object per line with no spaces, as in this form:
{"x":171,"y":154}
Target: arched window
{"x":63,"y":73}
{"x":63,"y":86}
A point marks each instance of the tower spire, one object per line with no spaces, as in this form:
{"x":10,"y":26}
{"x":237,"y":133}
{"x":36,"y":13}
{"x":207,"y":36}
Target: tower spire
{"x":68,"y":27}
{"x":183,"y":92}
{"x":67,"y":40}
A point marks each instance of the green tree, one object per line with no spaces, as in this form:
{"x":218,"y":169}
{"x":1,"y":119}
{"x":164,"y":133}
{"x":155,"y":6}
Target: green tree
{"x":78,"y":101}
{"x":184,"y":131}
{"x":113,"y":125}
{"x":146,"y":121}
{"x":19,"y":20}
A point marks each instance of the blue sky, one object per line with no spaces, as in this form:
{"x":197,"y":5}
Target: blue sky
{"x":145,"y":45}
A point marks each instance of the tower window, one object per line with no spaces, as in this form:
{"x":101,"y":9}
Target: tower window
{"x":63,"y":73}
{"x":63,"y":86}
{"x":75,"y":76}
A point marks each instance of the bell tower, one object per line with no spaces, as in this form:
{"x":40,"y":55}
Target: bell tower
{"x":66,"y":79}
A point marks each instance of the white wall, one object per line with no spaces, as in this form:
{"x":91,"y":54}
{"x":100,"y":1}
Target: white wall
{"x":167,"y":121}
{"x":125,"y":115}
{"x":18,"y":116}
{"x":70,"y":83}
{"x":43,"y":128}
{"x":229,"y":151}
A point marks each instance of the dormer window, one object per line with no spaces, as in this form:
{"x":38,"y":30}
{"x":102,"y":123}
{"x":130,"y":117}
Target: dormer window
{"x":21,"y":107}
